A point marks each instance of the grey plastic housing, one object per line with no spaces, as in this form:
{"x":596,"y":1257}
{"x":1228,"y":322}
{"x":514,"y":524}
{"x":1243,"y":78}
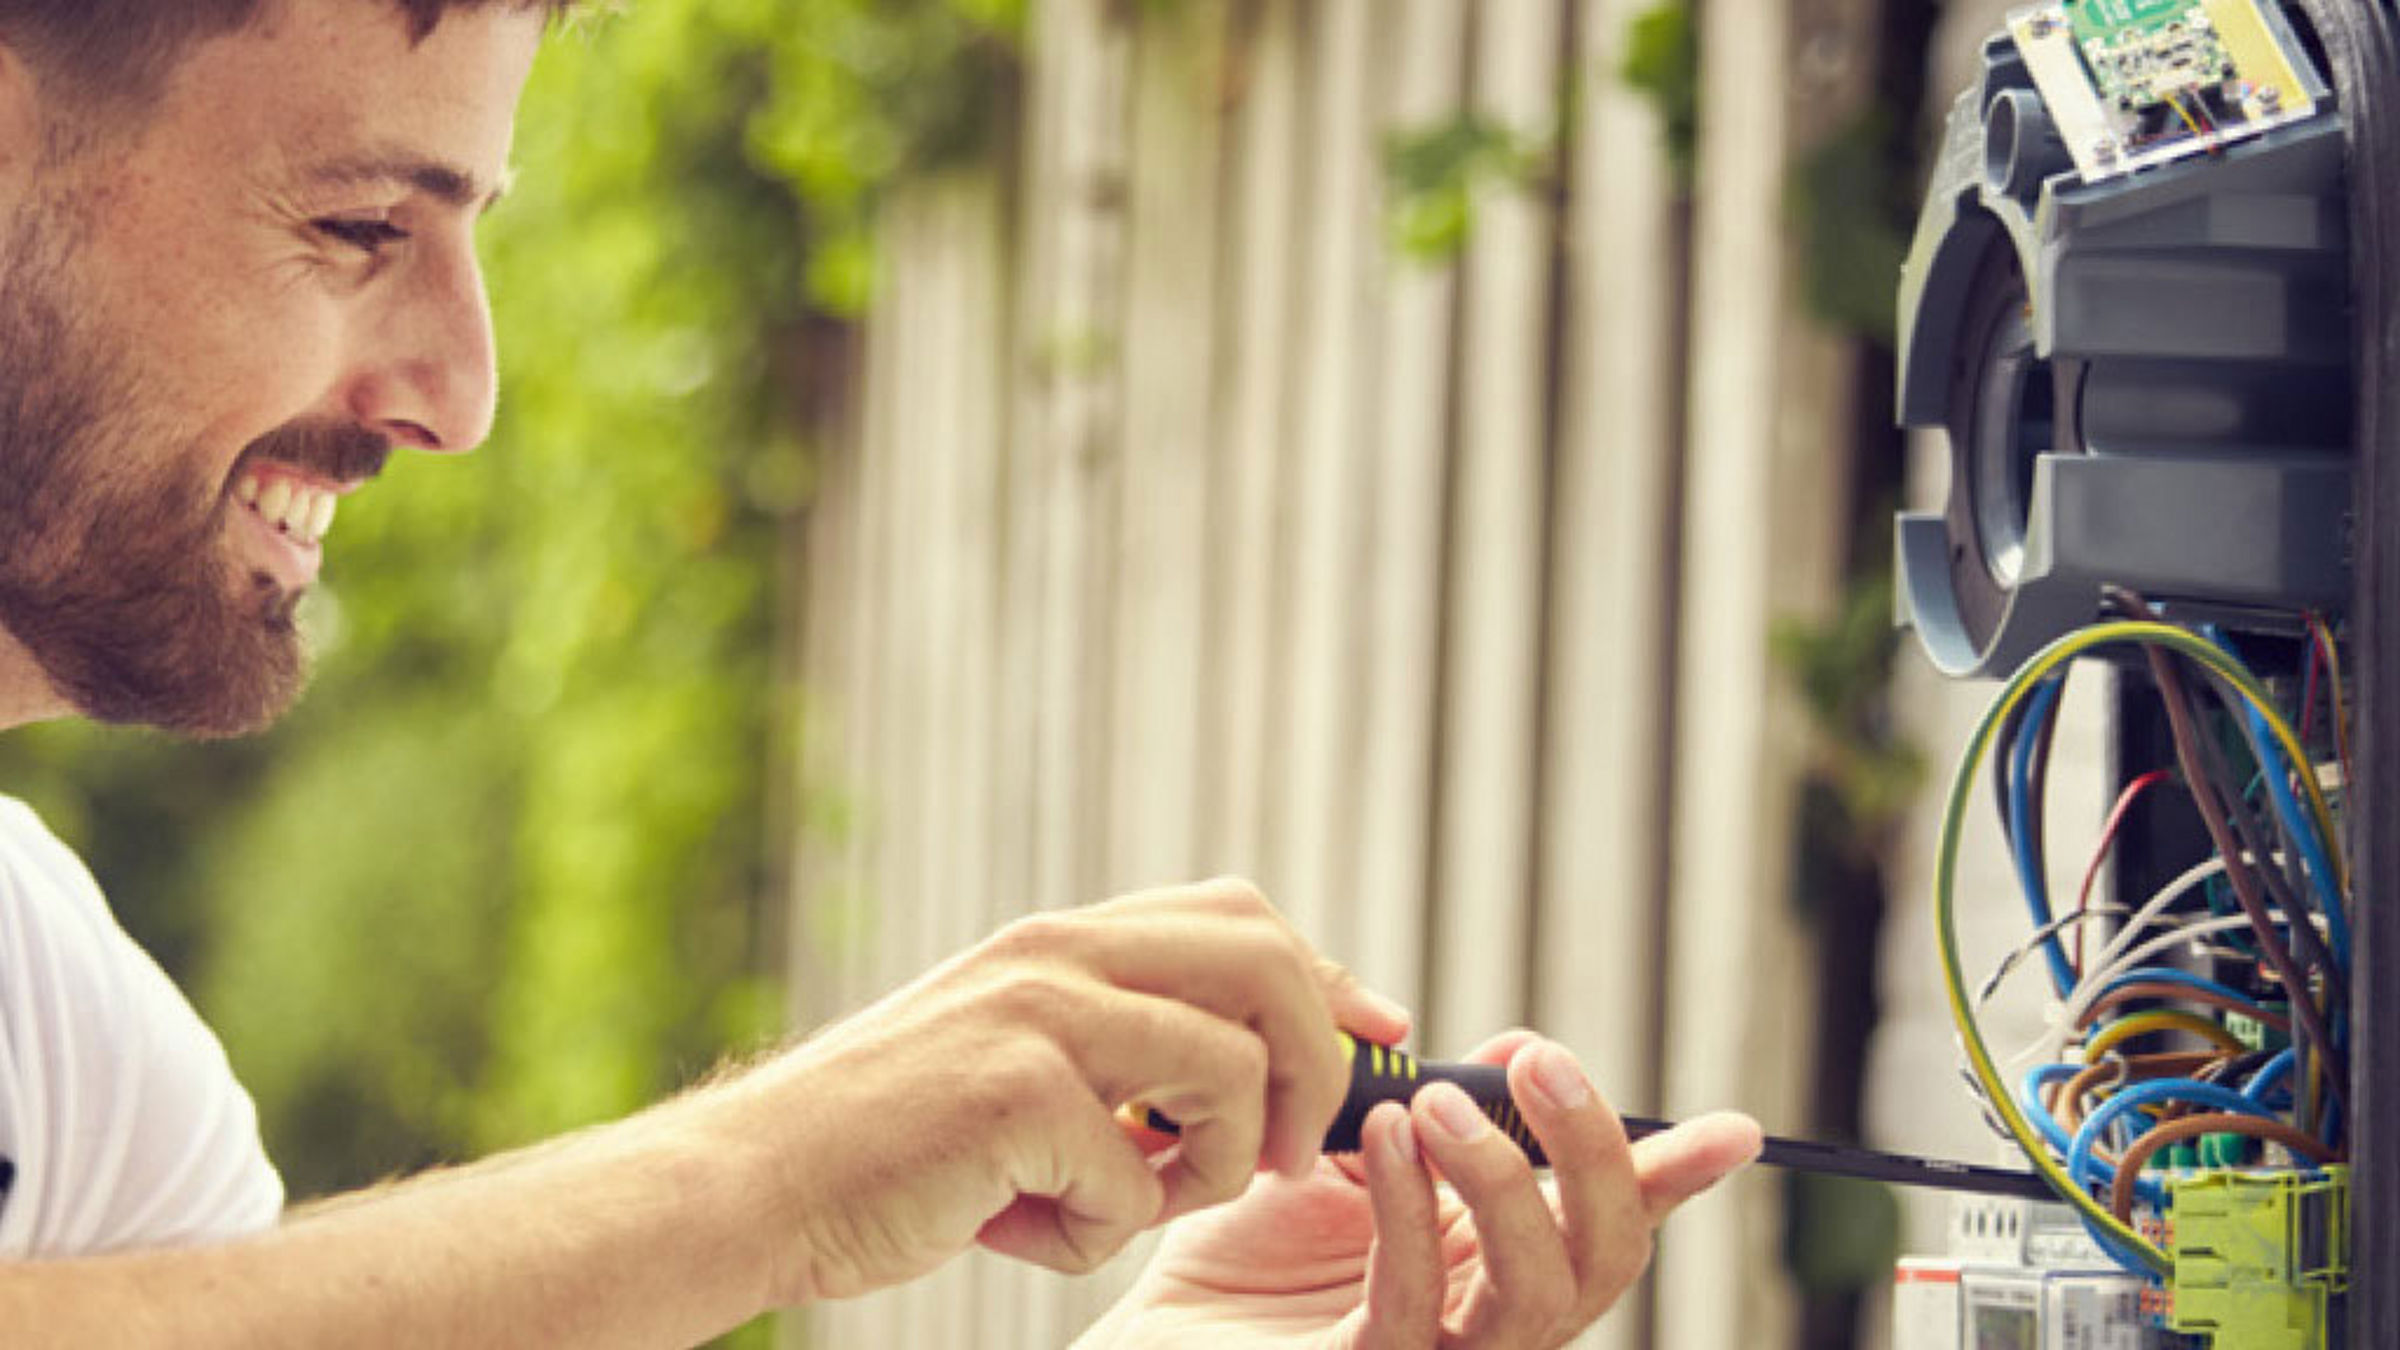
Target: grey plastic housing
{"x":2179,"y":354}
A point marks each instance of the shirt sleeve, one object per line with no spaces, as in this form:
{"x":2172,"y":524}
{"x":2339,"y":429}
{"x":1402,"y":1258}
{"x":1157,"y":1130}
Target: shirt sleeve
{"x":117,"y":1104}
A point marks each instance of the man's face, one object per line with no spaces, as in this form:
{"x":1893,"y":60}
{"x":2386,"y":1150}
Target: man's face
{"x":217,"y":319}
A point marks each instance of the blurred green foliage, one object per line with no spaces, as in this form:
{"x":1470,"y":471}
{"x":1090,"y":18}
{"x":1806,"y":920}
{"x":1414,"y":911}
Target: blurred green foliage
{"x":1854,"y":206}
{"x":507,"y":869}
{"x":1432,"y":175}
{"x":1662,"y":61}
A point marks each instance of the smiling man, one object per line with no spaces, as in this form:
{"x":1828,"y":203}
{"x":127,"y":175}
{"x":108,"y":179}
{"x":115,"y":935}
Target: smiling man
{"x":239,"y":272}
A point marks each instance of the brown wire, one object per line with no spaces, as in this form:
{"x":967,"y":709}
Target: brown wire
{"x":2190,"y":754}
{"x":2066,"y":1105}
{"x":2129,"y":1170}
{"x":2163,"y":990}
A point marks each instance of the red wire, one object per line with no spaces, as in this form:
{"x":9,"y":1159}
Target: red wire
{"x":2108,"y":839}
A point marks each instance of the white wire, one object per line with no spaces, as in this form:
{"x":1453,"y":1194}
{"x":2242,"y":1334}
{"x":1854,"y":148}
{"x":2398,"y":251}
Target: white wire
{"x":2156,"y":905}
{"x":2015,"y":960}
{"x":2052,"y":1043}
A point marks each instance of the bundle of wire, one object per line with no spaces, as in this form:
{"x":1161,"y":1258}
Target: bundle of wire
{"x":2090,"y":1112}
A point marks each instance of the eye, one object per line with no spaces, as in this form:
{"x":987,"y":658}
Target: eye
{"x":368,"y":236}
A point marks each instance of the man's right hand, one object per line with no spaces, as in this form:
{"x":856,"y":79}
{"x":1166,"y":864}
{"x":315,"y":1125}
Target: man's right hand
{"x":980,"y":1102}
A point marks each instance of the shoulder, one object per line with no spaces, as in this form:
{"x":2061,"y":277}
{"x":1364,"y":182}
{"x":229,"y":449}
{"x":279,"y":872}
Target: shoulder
{"x":117,"y":1104}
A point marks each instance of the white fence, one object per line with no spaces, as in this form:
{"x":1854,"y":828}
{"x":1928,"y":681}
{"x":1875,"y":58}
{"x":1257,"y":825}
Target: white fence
{"x":1186,"y":530}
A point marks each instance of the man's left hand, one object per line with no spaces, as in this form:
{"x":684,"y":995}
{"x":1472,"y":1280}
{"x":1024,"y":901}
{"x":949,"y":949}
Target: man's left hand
{"x":1365,"y":1254}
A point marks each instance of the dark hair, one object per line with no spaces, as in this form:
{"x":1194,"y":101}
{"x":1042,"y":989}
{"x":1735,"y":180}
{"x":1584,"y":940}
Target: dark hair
{"x":116,"y":53}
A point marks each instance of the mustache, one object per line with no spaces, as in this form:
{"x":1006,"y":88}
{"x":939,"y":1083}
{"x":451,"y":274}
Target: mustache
{"x":338,"y":452}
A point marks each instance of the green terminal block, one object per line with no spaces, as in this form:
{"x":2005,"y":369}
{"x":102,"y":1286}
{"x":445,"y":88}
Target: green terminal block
{"x":2262,"y":1259}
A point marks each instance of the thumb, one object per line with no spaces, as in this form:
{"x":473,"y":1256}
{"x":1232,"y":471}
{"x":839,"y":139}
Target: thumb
{"x":1677,"y":1164}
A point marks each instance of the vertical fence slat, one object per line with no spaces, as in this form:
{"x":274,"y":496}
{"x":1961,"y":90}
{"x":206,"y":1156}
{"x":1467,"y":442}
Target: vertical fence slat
{"x":1485,"y":879}
{"x":1723,"y":892}
{"x":1401,"y":576}
{"x":1163,"y":556}
{"x":1336,"y":241}
{"x":1603,"y":865}
{"x":1244,"y":494}
{"x":1766,"y":495}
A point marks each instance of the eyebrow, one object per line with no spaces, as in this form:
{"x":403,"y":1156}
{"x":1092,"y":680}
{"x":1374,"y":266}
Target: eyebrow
{"x":445,"y":183}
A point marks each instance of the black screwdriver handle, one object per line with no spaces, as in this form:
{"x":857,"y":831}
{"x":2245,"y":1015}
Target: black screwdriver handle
{"x":1379,"y":1073}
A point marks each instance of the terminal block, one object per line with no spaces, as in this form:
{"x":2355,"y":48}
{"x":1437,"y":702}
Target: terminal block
{"x":2261,"y":1258}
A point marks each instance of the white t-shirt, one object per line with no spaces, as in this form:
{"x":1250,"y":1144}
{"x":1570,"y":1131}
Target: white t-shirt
{"x":117,"y":1106}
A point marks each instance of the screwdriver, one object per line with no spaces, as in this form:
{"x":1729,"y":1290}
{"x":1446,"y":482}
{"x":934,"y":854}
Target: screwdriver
{"x":1379,"y":1073}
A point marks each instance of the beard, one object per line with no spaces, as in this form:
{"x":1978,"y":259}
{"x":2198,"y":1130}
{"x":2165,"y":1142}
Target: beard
{"x":116,"y":571}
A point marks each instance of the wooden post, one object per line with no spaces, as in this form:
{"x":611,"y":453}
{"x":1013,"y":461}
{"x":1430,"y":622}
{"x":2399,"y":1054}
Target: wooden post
{"x":1484,"y":874}
{"x":1762,"y":511}
{"x":1602,"y":860}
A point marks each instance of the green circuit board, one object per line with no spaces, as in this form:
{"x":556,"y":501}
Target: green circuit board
{"x":2134,"y":83}
{"x":2143,"y":53}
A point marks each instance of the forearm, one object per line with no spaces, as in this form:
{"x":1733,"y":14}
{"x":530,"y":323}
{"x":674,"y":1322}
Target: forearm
{"x":659,"y":1231}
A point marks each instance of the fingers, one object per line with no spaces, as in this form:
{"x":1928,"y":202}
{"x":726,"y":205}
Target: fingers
{"x":1603,"y":1217}
{"x":1405,"y":1276}
{"x":1207,"y":1075}
{"x":1221,"y":947}
{"x":1529,"y":1286}
{"x":1100,"y":1193}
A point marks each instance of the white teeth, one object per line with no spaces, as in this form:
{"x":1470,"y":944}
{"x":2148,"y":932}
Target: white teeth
{"x":303,"y":512}
{"x":274,"y":500}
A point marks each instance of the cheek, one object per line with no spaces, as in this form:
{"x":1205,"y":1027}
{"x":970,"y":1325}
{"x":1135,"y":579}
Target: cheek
{"x":222,"y":340}
{"x":240,"y":362}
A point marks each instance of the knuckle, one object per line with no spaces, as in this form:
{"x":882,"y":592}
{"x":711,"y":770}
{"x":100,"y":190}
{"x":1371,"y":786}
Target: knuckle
{"x":1040,"y":934}
{"x":1018,"y":1081}
{"x":1025,"y":995}
{"x":1238,"y":897}
{"x":1246,"y":1059}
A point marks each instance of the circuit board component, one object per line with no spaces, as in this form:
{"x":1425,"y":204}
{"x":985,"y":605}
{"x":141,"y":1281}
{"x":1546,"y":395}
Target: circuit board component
{"x":2133,"y":83}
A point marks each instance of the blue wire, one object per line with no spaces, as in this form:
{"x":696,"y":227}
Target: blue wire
{"x":2269,"y":1074}
{"x":2303,"y":832}
{"x":2079,"y":1152}
{"x":2020,"y":829}
{"x":2030,"y":1097}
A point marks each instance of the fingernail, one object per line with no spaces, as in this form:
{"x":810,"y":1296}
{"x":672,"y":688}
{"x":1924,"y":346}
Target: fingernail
{"x":1560,"y":1078}
{"x":1401,"y":1132}
{"x":1454,"y":1113}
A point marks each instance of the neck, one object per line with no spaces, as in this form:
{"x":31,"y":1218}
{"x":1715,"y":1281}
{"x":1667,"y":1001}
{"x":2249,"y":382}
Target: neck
{"x":25,"y":692}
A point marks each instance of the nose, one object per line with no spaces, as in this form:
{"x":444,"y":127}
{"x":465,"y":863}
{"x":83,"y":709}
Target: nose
{"x":426,"y":375}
